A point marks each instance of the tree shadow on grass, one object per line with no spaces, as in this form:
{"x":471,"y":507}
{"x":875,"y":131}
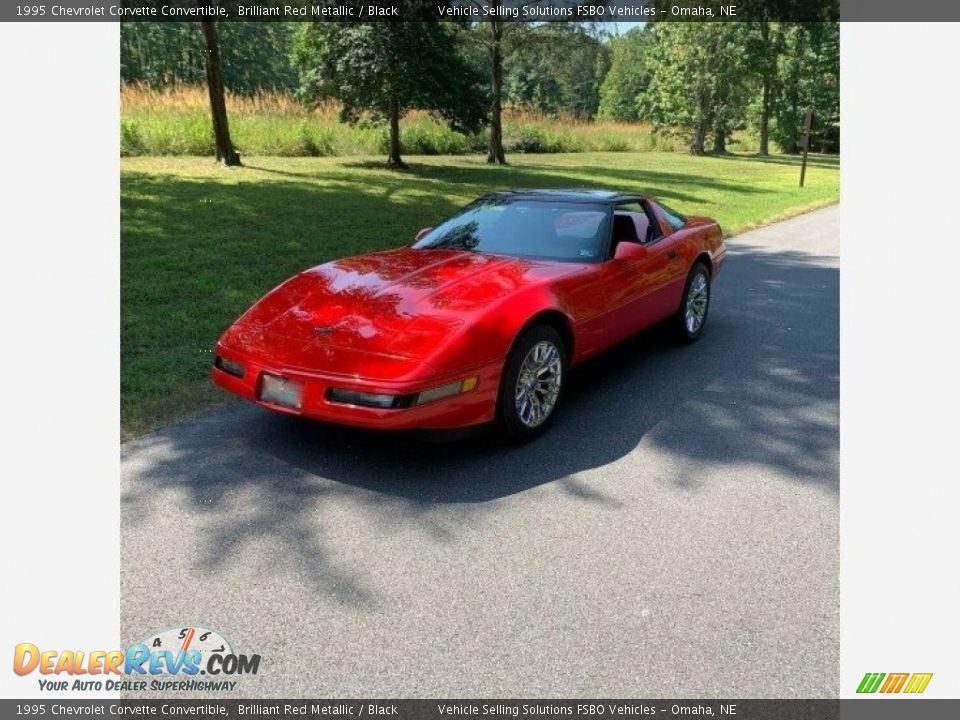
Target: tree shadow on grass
{"x":481,"y":178}
{"x":759,"y":390}
{"x":813,"y":160}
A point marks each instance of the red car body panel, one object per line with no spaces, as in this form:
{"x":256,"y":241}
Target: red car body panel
{"x":404,"y":321}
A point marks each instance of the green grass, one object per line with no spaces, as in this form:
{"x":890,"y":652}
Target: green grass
{"x":201,"y":242}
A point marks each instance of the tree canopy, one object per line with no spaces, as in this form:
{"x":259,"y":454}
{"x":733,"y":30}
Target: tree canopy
{"x":701,"y":80}
{"x":695,"y":84}
{"x":255,"y":56}
{"x":557,"y":69}
{"x":377,"y":69}
{"x":631,"y":69}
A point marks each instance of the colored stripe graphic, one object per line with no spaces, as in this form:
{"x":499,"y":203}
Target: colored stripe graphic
{"x":894,"y":682}
{"x":870,"y":682}
{"x":918,"y":682}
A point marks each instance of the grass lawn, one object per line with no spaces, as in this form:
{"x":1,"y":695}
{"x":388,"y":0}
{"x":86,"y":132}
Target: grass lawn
{"x":200,"y":242}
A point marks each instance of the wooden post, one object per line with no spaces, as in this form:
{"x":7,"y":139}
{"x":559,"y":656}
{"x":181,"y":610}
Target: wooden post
{"x":805,"y":143}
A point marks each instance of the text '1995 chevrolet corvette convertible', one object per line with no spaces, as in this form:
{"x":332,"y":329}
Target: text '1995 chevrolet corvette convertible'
{"x":480,"y":319}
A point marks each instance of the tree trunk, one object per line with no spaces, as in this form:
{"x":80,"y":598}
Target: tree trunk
{"x":495,"y":154}
{"x":395,"y":160}
{"x":792,"y":138}
{"x":792,"y":135}
{"x":765,"y":118}
{"x":699,"y":139}
{"x":697,"y":144}
{"x":719,"y":140}
{"x":218,"y":104}
{"x":764,"y":150}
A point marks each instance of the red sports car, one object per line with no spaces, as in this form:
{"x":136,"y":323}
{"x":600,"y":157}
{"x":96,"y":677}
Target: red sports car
{"x":480,"y":319}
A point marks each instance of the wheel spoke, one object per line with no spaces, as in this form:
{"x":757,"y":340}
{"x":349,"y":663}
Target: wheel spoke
{"x":538,"y":383}
{"x":695,"y":309}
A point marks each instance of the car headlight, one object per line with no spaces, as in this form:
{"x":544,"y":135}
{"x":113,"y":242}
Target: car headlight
{"x":377,"y":400}
{"x":386,"y":401}
{"x":229,"y":367}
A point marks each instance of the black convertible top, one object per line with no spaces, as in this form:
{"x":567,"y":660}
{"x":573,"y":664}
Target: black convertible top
{"x":583,"y":195}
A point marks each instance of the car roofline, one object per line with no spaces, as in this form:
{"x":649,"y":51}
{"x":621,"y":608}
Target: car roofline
{"x":570,"y":195}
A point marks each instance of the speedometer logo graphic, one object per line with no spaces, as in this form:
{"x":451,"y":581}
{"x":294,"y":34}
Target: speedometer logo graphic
{"x":183,"y":639}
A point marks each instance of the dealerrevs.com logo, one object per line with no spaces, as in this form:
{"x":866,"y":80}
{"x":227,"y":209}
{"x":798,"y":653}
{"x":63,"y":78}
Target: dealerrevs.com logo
{"x":169,"y":660}
{"x":911,"y":683}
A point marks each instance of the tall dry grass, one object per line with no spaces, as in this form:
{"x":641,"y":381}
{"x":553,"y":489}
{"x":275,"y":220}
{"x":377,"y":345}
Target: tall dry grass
{"x":137,"y":99}
{"x":175,"y":121}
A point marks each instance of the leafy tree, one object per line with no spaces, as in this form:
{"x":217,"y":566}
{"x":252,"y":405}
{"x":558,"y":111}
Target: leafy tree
{"x":497,"y":38}
{"x":254,"y":55}
{"x":524,"y":68}
{"x":557,"y":70}
{"x":808,"y":76}
{"x":731,"y":91}
{"x":160,"y":54}
{"x":385,"y":69}
{"x":763,"y":48}
{"x":697,"y":81}
{"x":257,"y":56}
{"x":631,"y":69}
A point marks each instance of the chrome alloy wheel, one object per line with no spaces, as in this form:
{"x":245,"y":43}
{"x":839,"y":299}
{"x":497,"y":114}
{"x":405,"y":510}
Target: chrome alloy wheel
{"x":695,"y":307}
{"x":538,"y":384}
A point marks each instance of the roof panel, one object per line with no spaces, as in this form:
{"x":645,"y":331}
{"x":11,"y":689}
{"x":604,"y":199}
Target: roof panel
{"x":568,"y":194}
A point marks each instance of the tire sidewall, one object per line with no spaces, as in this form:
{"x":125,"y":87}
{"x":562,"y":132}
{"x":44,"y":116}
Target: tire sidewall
{"x":681,"y":322}
{"x":508,"y":420}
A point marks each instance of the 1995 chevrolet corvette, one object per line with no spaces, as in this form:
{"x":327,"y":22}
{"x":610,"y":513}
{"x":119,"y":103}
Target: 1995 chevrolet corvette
{"x":480,"y":320}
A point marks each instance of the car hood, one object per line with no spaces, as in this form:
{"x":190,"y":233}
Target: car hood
{"x":402,"y":303}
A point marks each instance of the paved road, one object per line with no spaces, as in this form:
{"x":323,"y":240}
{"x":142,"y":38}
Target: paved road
{"x":676,"y":533}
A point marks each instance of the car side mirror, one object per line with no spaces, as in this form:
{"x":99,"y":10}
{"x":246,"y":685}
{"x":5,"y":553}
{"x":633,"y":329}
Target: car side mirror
{"x":626,"y":250}
{"x":420,"y":235}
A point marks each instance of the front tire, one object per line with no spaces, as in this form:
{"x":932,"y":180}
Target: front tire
{"x":532,"y":383}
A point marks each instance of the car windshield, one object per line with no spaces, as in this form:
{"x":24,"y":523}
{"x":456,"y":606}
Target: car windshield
{"x":546,"y":230}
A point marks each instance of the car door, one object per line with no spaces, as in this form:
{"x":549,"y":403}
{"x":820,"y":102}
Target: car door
{"x":615,"y":299}
{"x":648,"y":273}
{"x":672,"y":243}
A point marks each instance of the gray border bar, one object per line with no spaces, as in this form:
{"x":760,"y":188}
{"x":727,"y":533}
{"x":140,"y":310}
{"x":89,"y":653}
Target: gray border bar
{"x":493,"y":709}
{"x":614,"y":10}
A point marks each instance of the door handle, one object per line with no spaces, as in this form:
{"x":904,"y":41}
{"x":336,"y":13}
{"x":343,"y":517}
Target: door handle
{"x":671,"y":254}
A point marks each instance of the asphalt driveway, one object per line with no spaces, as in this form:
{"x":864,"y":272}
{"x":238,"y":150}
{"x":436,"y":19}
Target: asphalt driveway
{"x":675,"y":533}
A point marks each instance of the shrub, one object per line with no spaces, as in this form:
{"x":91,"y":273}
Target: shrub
{"x":420,"y":138}
{"x":315,"y":142}
{"x":130,"y":141}
{"x":531,"y":139}
{"x":609,"y":142}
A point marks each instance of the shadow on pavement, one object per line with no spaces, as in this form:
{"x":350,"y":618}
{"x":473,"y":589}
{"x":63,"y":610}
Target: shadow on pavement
{"x":761,"y":388}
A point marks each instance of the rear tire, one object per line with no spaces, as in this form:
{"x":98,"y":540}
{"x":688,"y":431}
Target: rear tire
{"x":532,"y":384}
{"x":691,"y":318}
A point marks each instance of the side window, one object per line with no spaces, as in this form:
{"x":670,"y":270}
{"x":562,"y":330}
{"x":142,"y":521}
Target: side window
{"x":639,"y":219}
{"x":675,"y":219}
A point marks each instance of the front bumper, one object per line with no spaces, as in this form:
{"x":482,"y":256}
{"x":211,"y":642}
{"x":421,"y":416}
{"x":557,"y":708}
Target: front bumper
{"x":469,"y":408}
